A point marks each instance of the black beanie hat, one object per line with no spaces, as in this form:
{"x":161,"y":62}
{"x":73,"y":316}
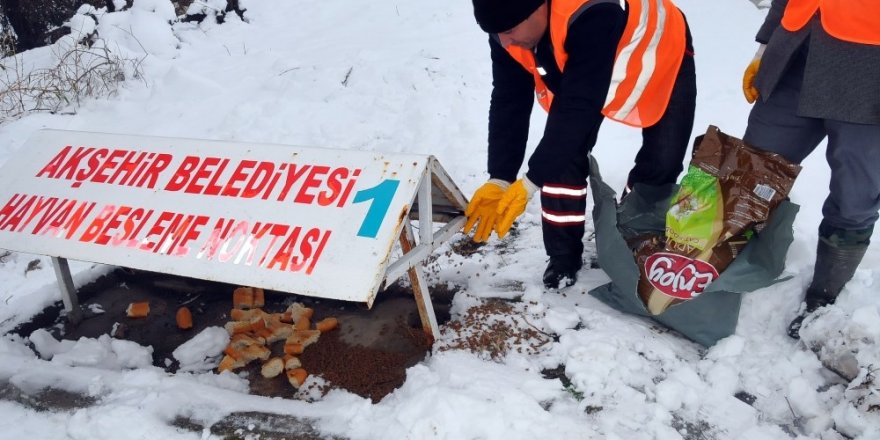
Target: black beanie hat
{"x":495,"y":16}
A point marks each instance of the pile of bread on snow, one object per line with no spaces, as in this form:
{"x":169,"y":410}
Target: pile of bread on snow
{"x":254,"y":330}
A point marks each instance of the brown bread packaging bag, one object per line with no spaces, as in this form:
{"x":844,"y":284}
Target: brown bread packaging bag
{"x":725,"y":197}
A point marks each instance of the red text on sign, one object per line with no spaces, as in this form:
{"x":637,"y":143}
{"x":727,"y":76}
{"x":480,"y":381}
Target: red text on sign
{"x":42,"y":215}
{"x":170,"y":233}
{"x":104,"y":165}
{"x":269,"y":245}
{"x":305,"y":184}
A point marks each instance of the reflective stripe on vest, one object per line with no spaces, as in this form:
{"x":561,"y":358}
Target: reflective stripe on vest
{"x":856,"y":21}
{"x":646,"y":65}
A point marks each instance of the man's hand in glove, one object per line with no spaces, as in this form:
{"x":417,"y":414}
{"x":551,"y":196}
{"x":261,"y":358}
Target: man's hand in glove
{"x":482,"y":210}
{"x":749,"y":76}
{"x":513,"y":204}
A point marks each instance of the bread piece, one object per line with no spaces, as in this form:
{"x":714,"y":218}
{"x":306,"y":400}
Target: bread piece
{"x":275,"y":317}
{"x":274,"y":320}
{"x":291,"y":362}
{"x":257,"y":323}
{"x":242,"y":340}
{"x":237,"y":327}
{"x":245,"y":315}
{"x":304,"y":337}
{"x":247,"y":348}
{"x":184,"y":318}
{"x":296,"y":312}
{"x":293,"y":349}
{"x":243,"y":298}
{"x":232,"y":351}
{"x":303,"y":324}
{"x":279,"y":332}
{"x":259,"y":297}
{"x":326,"y":324}
{"x":247,"y":354}
{"x":263,"y":334}
{"x":254,"y":325}
{"x":229,"y":363}
{"x":138,"y":310}
{"x":253,"y":352}
{"x":260,"y":328}
{"x":272,"y":367}
{"x":297,"y":377}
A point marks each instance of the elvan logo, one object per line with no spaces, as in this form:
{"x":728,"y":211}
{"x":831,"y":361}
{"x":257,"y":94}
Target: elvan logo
{"x":679,"y":276}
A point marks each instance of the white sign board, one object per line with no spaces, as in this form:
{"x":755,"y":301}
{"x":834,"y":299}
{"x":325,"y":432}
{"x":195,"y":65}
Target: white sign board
{"x":310,"y":221}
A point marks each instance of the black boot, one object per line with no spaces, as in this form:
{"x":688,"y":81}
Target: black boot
{"x":837,"y":256}
{"x":562,"y":271}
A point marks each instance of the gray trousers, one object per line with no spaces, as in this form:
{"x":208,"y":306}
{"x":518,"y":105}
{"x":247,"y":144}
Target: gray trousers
{"x":853,"y":150}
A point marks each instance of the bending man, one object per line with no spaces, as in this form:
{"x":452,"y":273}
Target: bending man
{"x":630,"y":61}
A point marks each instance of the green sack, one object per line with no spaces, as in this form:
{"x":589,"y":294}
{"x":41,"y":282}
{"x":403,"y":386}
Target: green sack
{"x":713,"y":314}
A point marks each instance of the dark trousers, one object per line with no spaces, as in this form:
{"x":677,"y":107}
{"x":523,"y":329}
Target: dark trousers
{"x":853,"y":150}
{"x":658,"y":162}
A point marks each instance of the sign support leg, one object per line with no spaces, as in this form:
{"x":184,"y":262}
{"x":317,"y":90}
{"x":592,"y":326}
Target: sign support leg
{"x":68,"y":291}
{"x":420,"y":287}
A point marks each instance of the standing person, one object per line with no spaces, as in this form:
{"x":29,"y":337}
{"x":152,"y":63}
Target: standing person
{"x":630,"y":61}
{"x":817,"y":75}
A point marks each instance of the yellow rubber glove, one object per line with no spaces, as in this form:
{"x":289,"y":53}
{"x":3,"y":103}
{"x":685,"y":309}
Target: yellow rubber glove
{"x":513,"y":204}
{"x":749,"y":89}
{"x":482,"y":210}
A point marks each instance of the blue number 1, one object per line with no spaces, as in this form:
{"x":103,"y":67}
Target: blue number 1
{"x":381,"y":195}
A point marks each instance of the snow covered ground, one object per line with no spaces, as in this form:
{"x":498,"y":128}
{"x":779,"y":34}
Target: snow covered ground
{"x":415,"y":77}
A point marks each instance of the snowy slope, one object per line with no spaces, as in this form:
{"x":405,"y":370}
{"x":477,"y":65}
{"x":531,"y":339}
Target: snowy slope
{"x":415,"y":77}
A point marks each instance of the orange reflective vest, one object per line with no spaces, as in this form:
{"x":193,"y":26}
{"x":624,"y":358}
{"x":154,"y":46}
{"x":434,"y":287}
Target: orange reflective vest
{"x":646,"y":65}
{"x":856,"y":21}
